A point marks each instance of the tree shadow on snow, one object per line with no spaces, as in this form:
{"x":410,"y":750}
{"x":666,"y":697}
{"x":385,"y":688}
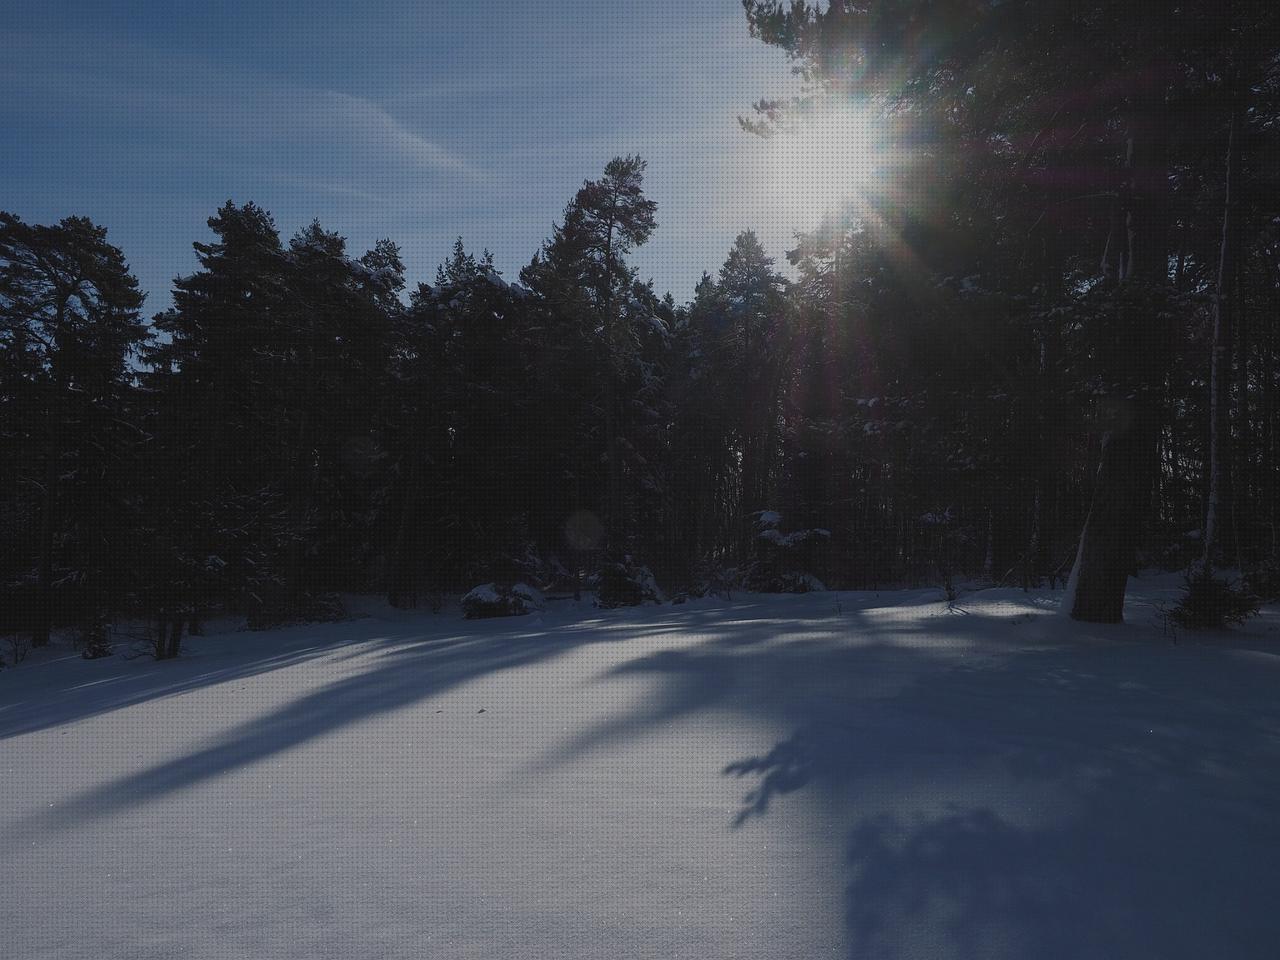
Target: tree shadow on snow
{"x":998,"y":794}
{"x":391,"y":665}
{"x":401,"y":668}
{"x":55,"y":693}
{"x":1003,"y":798}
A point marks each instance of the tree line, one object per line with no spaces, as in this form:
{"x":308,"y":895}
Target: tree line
{"x":1044,"y":350}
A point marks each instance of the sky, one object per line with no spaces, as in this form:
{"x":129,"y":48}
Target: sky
{"x":419,"y":122}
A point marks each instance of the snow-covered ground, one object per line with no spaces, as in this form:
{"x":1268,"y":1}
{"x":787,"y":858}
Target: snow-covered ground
{"x":831,"y":775}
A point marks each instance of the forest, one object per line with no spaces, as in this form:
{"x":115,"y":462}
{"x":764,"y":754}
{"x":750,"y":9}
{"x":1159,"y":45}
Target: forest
{"x":1043,"y":350}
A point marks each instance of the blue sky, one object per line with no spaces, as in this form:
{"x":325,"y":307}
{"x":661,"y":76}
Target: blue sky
{"x":415,"y":121}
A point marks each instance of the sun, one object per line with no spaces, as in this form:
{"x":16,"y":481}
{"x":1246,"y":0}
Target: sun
{"x":825,"y":161}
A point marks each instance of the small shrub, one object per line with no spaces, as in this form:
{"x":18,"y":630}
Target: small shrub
{"x":624,"y":583}
{"x":1210,"y":602}
{"x":96,"y":639}
{"x":719,"y":582}
{"x":19,"y":646}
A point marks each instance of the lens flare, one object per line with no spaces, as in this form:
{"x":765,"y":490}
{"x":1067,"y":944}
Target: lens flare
{"x":825,"y":161}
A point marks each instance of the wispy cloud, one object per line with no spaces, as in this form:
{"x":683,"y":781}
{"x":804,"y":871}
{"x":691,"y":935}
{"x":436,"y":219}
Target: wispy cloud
{"x":365,"y":118}
{"x":330,"y":187}
{"x":227,"y":117}
{"x":478,"y":132}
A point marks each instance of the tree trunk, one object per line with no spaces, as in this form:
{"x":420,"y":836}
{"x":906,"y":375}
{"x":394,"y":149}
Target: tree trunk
{"x":613,"y":524}
{"x":612,"y":425}
{"x":1121,"y":502}
{"x":168,"y":637}
{"x":1242,"y":470}
{"x":989,"y":558}
{"x":175,"y":639}
{"x":1220,"y":374}
{"x":1135,"y":259}
{"x":43,"y":625}
{"x":400,"y":592}
{"x":1267,"y":473}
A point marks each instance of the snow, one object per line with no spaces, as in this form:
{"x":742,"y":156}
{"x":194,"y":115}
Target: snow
{"x":811,"y":583}
{"x":532,"y":596}
{"x":1068,"y":601}
{"x":768,"y":522}
{"x":485,"y":593}
{"x":383,"y":274}
{"x":824,"y":775}
{"x":494,"y":279}
{"x":648,"y":583}
{"x":792,"y":539}
{"x":770,"y":518}
{"x":657,"y":326}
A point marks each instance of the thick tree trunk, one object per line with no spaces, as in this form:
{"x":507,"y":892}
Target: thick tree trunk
{"x":1135,"y":259}
{"x":1117,"y":516}
{"x":175,"y":638}
{"x":168,"y":635}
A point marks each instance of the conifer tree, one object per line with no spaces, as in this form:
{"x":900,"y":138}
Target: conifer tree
{"x":583,"y":270}
{"x":69,"y":325}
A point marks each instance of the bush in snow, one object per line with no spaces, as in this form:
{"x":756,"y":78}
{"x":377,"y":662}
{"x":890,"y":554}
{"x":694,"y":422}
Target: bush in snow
{"x":625,"y":583}
{"x":794,"y":581}
{"x":491,"y":600}
{"x":19,"y":646}
{"x":721,"y":582}
{"x":783,"y":556}
{"x":1211,"y":602}
{"x":96,"y":638}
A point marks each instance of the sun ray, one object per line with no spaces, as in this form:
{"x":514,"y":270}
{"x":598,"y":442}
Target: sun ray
{"x":825,"y":160}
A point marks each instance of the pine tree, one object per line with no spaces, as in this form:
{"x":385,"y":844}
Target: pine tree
{"x":583,"y":272}
{"x":222,"y":522}
{"x":69,"y":325}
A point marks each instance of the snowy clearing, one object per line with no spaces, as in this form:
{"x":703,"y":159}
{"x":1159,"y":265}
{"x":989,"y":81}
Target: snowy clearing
{"x":828,"y":775}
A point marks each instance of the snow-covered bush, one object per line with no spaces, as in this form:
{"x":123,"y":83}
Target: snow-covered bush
{"x":782,"y":558}
{"x":721,"y":582}
{"x":96,"y":639}
{"x":795,"y":581}
{"x":769,"y":524}
{"x":625,"y":583}
{"x":1211,"y":602}
{"x":492,"y":600}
